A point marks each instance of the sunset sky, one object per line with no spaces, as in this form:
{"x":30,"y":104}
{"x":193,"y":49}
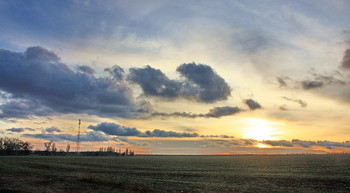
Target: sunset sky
{"x":177,"y":77}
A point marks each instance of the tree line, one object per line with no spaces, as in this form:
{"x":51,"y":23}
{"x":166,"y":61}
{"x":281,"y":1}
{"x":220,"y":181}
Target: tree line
{"x":15,"y":146}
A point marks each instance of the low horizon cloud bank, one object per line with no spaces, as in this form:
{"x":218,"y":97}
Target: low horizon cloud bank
{"x":108,"y":131}
{"x":307,"y":144}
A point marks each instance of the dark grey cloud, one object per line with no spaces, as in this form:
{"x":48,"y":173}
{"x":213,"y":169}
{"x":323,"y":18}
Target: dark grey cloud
{"x":212,"y":86}
{"x":116,"y":72}
{"x":24,"y":108}
{"x":93,"y":136}
{"x":118,"y":130}
{"x":37,"y":83}
{"x":20,"y":130}
{"x":345,"y":63}
{"x":299,"y":101}
{"x":310,"y":84}
{"x":40,"y":84}
{"x":154,"y":82}
{"x":115,"y":129}
{"x":218,"y":112}
{"x":201,"y":83}
{"x":252,"y":104}
{"x":162,"y":133}
{"x":86,"y":69}
{"x":53,"y":129}
{"x":215,"y":112}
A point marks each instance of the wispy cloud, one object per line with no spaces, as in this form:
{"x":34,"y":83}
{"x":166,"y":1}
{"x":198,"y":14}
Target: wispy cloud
{"x":215,"y":112}
{"x":299,"y":101}
{"x":20,"y":130}
{"x":307,"y":144}
{"x":93,"y":136}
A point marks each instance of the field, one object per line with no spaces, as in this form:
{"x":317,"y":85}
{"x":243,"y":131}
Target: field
{"x":297,"y":173}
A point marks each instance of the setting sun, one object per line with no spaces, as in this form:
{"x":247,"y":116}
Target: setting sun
{"x":260,"y":145}
{"x":260,"y":129}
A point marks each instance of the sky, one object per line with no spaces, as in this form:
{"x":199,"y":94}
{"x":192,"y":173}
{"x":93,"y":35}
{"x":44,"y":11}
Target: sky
{"x":177,"y":77}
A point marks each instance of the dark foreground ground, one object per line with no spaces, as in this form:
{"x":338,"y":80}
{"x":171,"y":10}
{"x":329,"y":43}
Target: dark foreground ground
{"x":303,"y":173}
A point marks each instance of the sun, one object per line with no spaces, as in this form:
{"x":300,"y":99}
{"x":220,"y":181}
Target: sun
{"x":261,"y":145}
{"x":260,"y":129}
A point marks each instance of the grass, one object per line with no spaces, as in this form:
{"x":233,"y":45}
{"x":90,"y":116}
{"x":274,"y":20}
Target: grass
{"x":297,"y":173}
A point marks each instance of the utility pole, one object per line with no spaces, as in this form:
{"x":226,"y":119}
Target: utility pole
{"x":78,"y":141}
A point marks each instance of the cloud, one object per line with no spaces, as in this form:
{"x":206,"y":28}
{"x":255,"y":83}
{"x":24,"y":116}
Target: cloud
{"x":282,"y":143}
{"x":39,"y":84}
{"x":307,"y":144}
{"x":216,"y":136}
{"x":215,"y":112}
{"x":252,"y":104}
{"x":345,"y":63}
{"x":307,"y":84}
{"x":154,"y":82}
{"x":212,"y":86}
{"x":93,"y":136}
{"x":200,"y":83}
{"x":116,"y":72}
{"x":317,"y":80}
{"x":332,"y":84}
{"x":86,"y":69}
{"x":283,"y":108}
{"x":281,"y":82}
{"x":20,"y":130}
{"x":162,"y":133}
{"x":115,"y":129}
{"x":52,"y":129}
{"x":299,"y":101}
{"x":231,"y":143}
{"x":118,"y":130}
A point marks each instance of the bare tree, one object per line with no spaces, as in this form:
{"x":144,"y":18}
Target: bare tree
{"x":50,"y":148}
{"x":68,"y":148}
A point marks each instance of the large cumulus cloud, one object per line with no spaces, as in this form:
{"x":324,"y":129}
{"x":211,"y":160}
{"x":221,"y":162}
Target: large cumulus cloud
{"x":200,"y":83}
{"x":38,"y":83}
{"x":212,"y":87}
{"x":154,"y":82}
